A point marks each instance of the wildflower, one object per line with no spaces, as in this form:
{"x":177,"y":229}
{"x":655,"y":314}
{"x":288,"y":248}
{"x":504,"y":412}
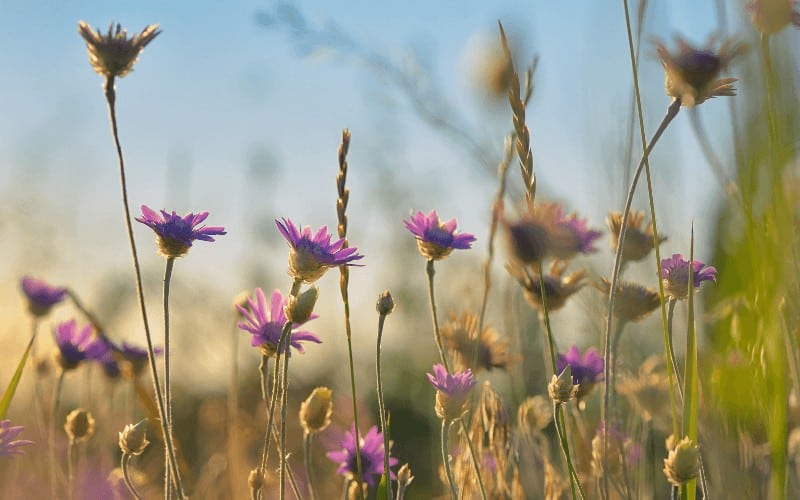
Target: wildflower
{"x":133,"y":438}
{"x":561,"y":387}
{"x":385,"y":304}
{"x":114,"y":54}
{"x":647,"y":391}
{"x":548,"y":231}
{"x":691,"y":74}
{"x":557,"y":287}
{"x":8,"y":445}
{"x":371,"y":450}
{"x":569,"y":235}
{"x":622,"y":451}
{"x":534,"y":415}
{"x":311,"y":255}
{"x":76,"y":345}
{"x":683,"y":462}
{"x":79,"y":425}
{"x":41,"y":296}
{"x":771,"y":16}
{"x":175,"y":234}
{"x":452,"y":391}
{"x":436,"y":239}
{"x":675,"y":273}
{"x":460,"y":334}
{"x":633,"y":301}
{"x":404,"y":476}
{"x":266,"y":325}
{"x":131,"y":359}
{"x":316,"y":410}
{"x":638,"y":242}
{"x":587,"y":370}
{"x":528,"y":239}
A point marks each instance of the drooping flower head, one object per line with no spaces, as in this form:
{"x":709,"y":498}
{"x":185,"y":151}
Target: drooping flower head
{"x":114,"y":54}
{"x":638,"y":240}
{"x":771,"y":16}
{"x":436,"y":239}
{"x":587,"y":370}
{"x":632,"y":302}
{"x":371,"y":451}
{"x":175,"y":234}
{"x":76,"y":345}
{"x":452,"y":391}
{"x":692,"y":73}
{"x":546,"y":231}
{"x":460,"y":334}
{"x":570,"y":235}
{"x":675,"y":273}
{"x":41,"y":296}
{"x":558,"y":287}
{"x":8,"y":445}
{"x":265,"y":324}
{"x":311,"y":254}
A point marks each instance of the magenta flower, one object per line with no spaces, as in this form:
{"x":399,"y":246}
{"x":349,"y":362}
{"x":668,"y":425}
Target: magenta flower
{"x":265,"y":324}
{"x":8,"y":446}
{"x":371,"y":450}
{"x":452,"y":391}
{"x":436,"y":239}
{"x":175,"y":234}
{"x":313,"y":254}
{"x":587,"y":370}
{"x":41,"y":296}
{"x":570,"y":235}
{"x":76,"y":345}
{"x":675,"y":273}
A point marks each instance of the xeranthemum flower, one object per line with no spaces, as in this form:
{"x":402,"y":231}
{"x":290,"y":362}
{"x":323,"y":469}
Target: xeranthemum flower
{"x":265,"y":324}
{"x":41,"y":296}
{"x":76,"y":345}
{"x":312,"y":254}
{"x":175,"y":234}
{"x":114,"y":54}
{"x":371,"y":456}
{"x":570,"y":235}
{"x":8,"y":446}
{"x":771,"y":16}
{"x":436,"y":239}
{"x":452,"y":391}
{"x":587,"y":370}
{"x":675,"y":272}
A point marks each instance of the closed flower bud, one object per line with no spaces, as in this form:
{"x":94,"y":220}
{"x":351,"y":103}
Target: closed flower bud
{"x":256,"y":481}
{"x":404,"y":476}
{"x":298,"y":309}
{"x":683,"y":462}
{"x":133,"y":438}
{"x":561,"y":388}
{"x":316,"y":410}
{"x":79,"y":425}
{"x":385,"y":304}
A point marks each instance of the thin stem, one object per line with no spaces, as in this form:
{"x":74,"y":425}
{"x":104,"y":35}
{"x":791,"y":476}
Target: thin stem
{"x":167,"y":374}
{"x":561,"y":429}
{"x":100,"y":330}
{"x":382,"y":409}
{"x":70,"y":468}
{"x":671,"y":346}
{"x":126,"y":459}
{"x":551,"y":343}
{"x":446,"y":461}
{"x":53,"y":422}
{"x":307,"y":440}
{"x":111,"y":98}
{"x":284,"y":345}
{"x":233,"y":413}
{"x":436,"y":334}
{"x":612,"y":370}
{"x":474,"y":457}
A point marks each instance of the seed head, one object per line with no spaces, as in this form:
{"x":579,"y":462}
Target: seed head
{"x":385,"y":304}
{"x":561,"y":388}
{"x":114,"y":54}
{"x":79,"y":425}
{"x":299,"y":309}
{"x":683,"y":462}
{"x":133,"y":438}
{"x":316,"y":410}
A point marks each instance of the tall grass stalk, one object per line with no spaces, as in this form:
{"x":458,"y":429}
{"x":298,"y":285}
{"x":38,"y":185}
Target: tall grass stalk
{"x":437,"y":336}
{"x":285,"y":344}
{"x":168,"y":480}
{"x":382,"y":408}
{"x":53,"y":425}
{"x":690,"y":380}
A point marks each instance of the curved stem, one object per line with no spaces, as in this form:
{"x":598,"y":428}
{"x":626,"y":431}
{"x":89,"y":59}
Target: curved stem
{"x":126,"y":459}
{"x":382,"y":409}
{"x":561,"y":429}
{"x":344,"y":279}
{"x":445,"y":460}
{"x":551,"y":344}
{"x":285,"y":346}
{"x":111,"y":98}
{"x":436,"y":334}
{"x":307,"y":439}
{"x":671,"y":346}
{"x":70,"y":468}
{"x":167,"y":375}
{"x":474,"y":457}
{"x":53,"y":423}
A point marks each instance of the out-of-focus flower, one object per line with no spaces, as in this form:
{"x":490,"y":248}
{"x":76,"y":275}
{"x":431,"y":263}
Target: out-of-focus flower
{"x":534,"y":414}
{"x":8,"y":445}
{"x":683,"y":462}
{"x":548,"y":232}
{"x":310,"y":254}
{"x":692,"y":73}
{"x":76,"y":345}
{"x":385,"y":303}
{"x":648,"y":391}
{"x":132,"y":359}
{"x":562,"y":389}
{"x":371,"y":451}
{"x":490,"y":68}
{"x":771,"y":16}
{"x":528,"y":239}
{"x":619,"y":446}
{"x":133,"y":438}
{"x":633,"y":301}
{"x":570,"y":235}
{"x":675,"y":273}
{"x":316,"y":410}
{"x":41,"y":296}
{"x":460,"y":334}
{"x":79,"y":425}
{"x":436,"y":239}
{"x":114,"y":54}
{"x":266,"y":324}
{"x":587,"y":370}
{"x":558,"y":288}
{"x":452,"y":391}
{"x":175,"y":234}
{"x":638,"y":241}
{"x":300,"y":309}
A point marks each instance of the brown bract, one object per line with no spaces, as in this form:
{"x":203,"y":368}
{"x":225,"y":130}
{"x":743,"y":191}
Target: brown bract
{"x":113,"y":54}
{"x":638,"y":241}
{"x":460,"y":334}
{"x":558,"y":287}
{"x":632,"y":301}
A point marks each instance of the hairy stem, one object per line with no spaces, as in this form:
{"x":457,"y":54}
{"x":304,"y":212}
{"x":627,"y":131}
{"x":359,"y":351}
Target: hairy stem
{"x":382,"y":409}
{"x":434,"y":317}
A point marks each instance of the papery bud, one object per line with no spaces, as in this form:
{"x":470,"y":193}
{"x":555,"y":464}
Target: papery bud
{"x":404,"y":476}
{"x":133,"y":438}
{"x":682,"y":463}
{"x":79,"y":425}
{"x":385,"y":304}
{"x":561,"y":388}
{"x":298,"y":309}
{"x":316,"y":410}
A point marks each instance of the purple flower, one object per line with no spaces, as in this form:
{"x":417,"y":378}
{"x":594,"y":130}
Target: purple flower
{"x":675,"y":273}
{"x":78,"y":345}
{"x":175,"y":234}
{"x":311,"y":253}
{"x":570,"y":235}
{"x":436,"y":239}
{"x":8,"y":446}
{"x":371,"y":451}
{"x":266,"y":324}
{"x":126,"y":359}
{"x":587,"y":370}
{"x":452,"y":391}
{"x":41,"y":296}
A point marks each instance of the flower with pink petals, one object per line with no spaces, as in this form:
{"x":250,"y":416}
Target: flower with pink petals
{"x":371,"y":451}
{"x":312,"y":254}
{"x":41,"y":296}
{"x":265,"y":324}
{"x":175,"y":234}
{"x":452,"y":391}
{"x":587,"y":370}
{"x":675,"y":273}
{"x":76,"y":345}
{"x":436,"y":239}
{"x":8,"y":445}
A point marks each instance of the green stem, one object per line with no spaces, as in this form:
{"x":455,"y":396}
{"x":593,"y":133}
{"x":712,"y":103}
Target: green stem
{"x":436,"y":333}
{"x":344,"y":279}
{"x":284,"y":346}
{"x":168,"y":482}
{"x":307,"y":439}
{"x":445,"y":460}
{"x":561,"y":429}
{"x":671,"y":347}
{"x":53,"y":425}
{"x":612,"y":370}
{"x":382,"y":409}
{"x":551,"y":344}
{"x":126,"y":459}
{"x":474,"y":457}
{"x":690,"y":381}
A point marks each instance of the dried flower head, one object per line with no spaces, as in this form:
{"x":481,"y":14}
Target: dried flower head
{"x":300,"y":309}
{"x":436,"y":239}
{"x":452,"y":391}
{"x":385,"y":304}
{"x":619,"y":447}
{"x":692,"y":73}
{"x":79,"y":425}
{"x":316,"y":410}
{"x":460,"y":334}
{"x":675,"y":272}
{"x":175,"y":234}
{"x":76,"y":345}
{"x":632,"y":302}
{"x":534,"y":414}
{"x":638,"y":241}
{"x":404,"y":476}
{"x":310,"y":255}
{"x":546,"y":231}
{"x":683,"y":462}
{"x":647,"y":392}
{"x":587,"y":370}
{"x":133,"y":438}
{"x":569,"y":234}
{"x":266,"y":324}
{"x":528,"y":239}
{"x":558,"y":288}
{"x":561,"y":387}
{"x":8,"y":445}
{"x":771,"y":16}
{"x":40,"y":295}
{"x":114,"y":54}
{"x":371,"y":451}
